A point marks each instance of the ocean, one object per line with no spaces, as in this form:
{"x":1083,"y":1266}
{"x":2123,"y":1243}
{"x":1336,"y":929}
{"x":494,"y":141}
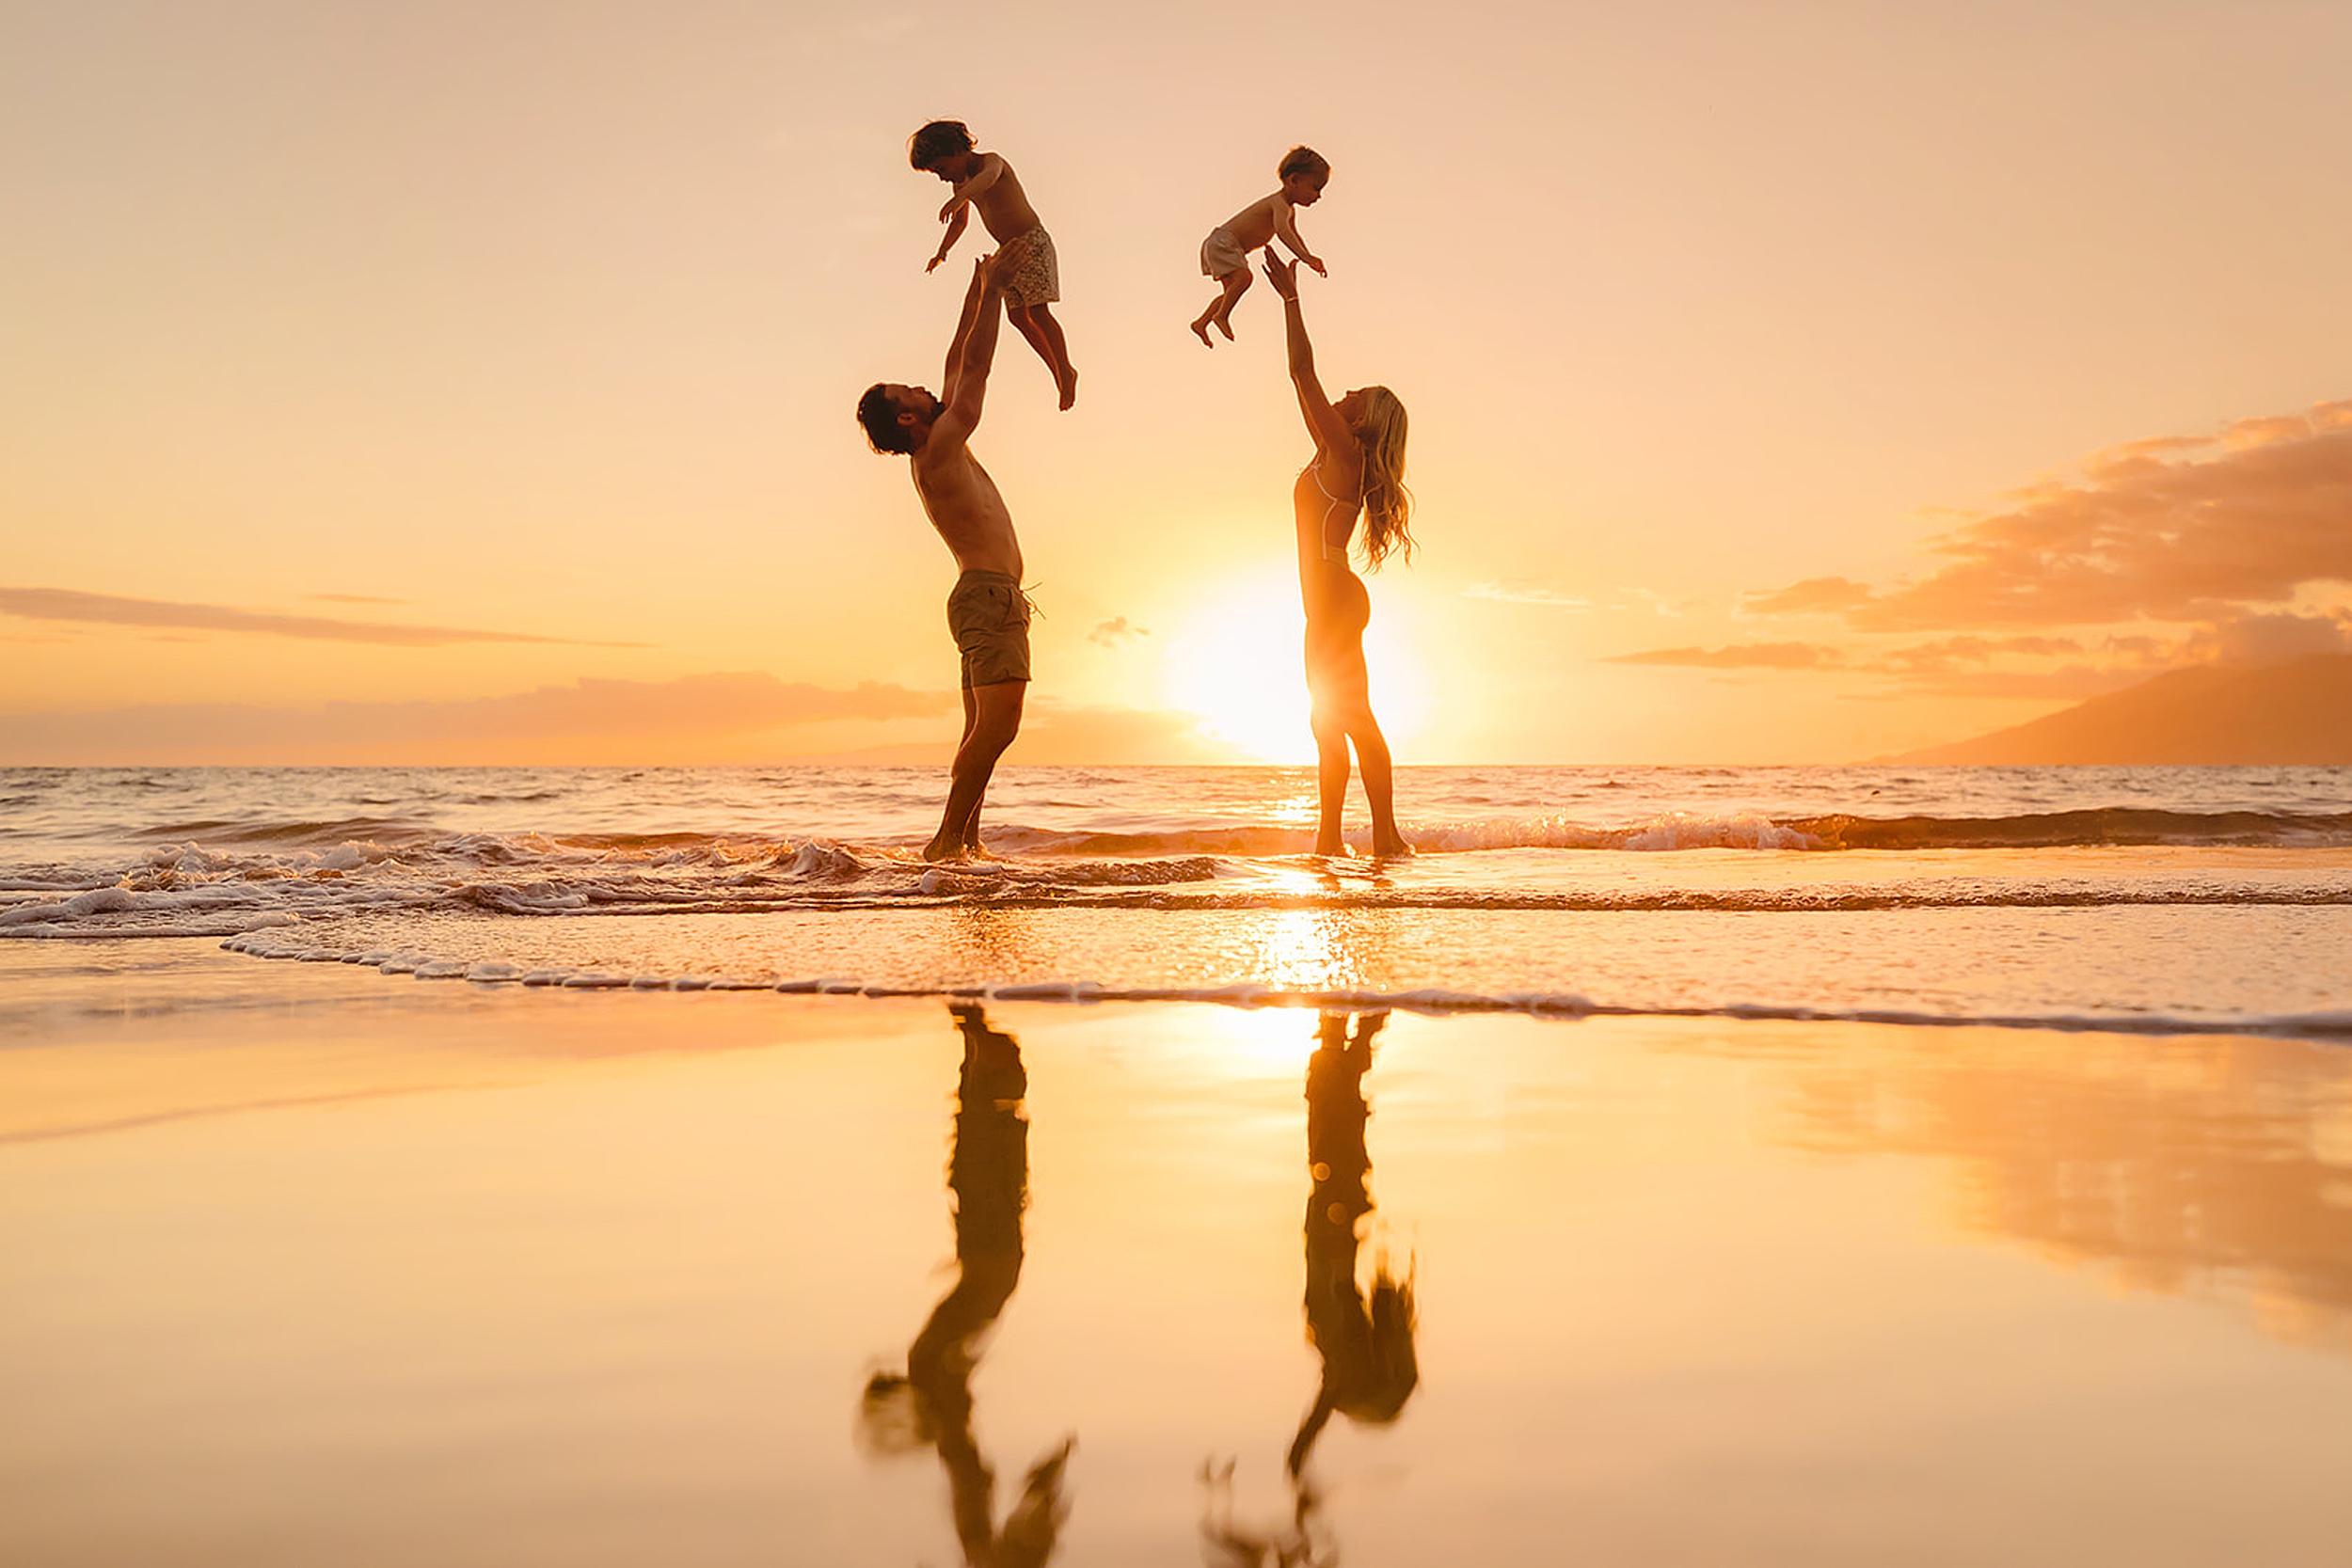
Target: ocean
{"x":2133,"y":899}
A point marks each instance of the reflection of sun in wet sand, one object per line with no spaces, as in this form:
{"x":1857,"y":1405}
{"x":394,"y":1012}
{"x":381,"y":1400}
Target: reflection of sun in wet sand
{"x":1237,"y":661}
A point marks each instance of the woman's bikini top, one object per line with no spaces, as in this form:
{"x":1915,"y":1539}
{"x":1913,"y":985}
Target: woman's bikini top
{"x":1331,"y":503}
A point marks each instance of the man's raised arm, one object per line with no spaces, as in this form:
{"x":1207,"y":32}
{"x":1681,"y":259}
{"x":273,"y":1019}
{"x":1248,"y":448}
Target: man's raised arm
{"x":953,"y":374}
{"x":974,"y":348}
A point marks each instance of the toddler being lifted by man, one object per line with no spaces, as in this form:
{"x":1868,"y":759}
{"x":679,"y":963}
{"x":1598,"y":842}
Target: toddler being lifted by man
{"x":1032,"y":279}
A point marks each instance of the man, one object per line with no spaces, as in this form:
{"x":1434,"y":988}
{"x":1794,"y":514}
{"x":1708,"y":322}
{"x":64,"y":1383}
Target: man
{"x":987,"y":611}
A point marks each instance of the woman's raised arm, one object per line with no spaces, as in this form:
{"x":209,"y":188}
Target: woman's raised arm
{"x":1323,"y":420}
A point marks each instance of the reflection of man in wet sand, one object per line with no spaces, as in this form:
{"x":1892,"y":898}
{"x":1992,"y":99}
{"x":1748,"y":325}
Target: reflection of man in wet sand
{"x":1369,"y":1366}
{"x":987,"y":611}
{"x":987,"y":1173}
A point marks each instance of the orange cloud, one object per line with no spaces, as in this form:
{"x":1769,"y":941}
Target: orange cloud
{"x":1951,"y":653}
{"x":1812,"y":596}
{"x":2171,"y":529}
{"x":2274,"y":639}
{"x":65,"y":604}
{"x":525,"y":726}
{"x":1739,"y":656}
{"x":1115,"y":632}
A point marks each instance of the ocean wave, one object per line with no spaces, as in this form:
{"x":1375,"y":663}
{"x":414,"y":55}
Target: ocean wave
{"x":192,"y":889}
{"x":2111,"y":825}
{"x":1663,"y":832}
{"x":2323,"y":1025}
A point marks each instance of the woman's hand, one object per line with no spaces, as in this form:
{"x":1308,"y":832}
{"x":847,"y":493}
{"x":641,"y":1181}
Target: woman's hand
{"x":1283,"y":275}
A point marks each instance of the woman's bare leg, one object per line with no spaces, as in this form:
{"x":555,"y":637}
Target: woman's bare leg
{"x":1372,"y":755}
{"x":1340,"y":687}
{"x":1335,"y":691}
{"x":1330,"y":781}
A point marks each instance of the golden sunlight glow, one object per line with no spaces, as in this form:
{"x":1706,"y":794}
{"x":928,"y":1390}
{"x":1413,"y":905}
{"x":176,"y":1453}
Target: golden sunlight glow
{"x":1236,"y":660}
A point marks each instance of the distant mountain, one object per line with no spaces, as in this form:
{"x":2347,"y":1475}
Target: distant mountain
{"x":2279,"y":714}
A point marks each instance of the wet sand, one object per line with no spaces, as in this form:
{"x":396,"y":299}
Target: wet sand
{"x":311,"y":1265}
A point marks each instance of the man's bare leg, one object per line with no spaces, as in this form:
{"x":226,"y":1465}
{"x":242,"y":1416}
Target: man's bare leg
{"x":995,"y":712}
{"x":970,"y":718}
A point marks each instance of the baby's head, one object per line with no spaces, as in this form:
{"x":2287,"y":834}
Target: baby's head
{"x":942,"y":147}
{"x":1304,"y":173}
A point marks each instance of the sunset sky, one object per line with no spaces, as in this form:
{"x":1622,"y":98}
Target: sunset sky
{"x":441,"y":382}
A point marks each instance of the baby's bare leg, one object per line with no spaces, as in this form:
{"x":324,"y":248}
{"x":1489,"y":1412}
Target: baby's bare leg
{"x":1056,"y":352}
{"x":1024,"y":319}
{"x":1236,"y":284}
{"x":1232,"y":286}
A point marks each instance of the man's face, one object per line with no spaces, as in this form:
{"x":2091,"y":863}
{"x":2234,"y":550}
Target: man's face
{"x":914,"y":406}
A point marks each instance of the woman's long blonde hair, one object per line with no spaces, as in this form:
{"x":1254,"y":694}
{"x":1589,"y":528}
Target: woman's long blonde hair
{"x":1388,"y":505}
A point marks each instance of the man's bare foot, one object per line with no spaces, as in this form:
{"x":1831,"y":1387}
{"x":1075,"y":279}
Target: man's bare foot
{"x":1330,"y":843}
{"x":942,"y":847}
{"x":1391,"y":849}
{"x":1201,"y":330}
{"x":1069,"y":387}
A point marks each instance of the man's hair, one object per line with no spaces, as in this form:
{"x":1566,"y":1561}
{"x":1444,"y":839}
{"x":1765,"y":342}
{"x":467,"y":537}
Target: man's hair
{"x":941,"y":138}
{"x":880,"y":417}
{"x":1303,"y":159}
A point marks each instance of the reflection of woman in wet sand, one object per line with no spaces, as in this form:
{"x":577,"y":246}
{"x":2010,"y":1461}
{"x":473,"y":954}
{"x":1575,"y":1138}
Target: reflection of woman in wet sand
{"x":988,"y":1173}
{"x":1369,"y":1366}
{"x":1359,"y":468}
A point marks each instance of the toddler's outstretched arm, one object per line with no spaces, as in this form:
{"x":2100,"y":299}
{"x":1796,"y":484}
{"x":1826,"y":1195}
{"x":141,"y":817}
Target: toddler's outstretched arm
{"x":991,"y":167}
{"x":955,"y":233}
{"x":1286,"y":229}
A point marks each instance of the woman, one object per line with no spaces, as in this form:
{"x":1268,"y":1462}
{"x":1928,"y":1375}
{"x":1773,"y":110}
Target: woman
{"x":1359,"y":468}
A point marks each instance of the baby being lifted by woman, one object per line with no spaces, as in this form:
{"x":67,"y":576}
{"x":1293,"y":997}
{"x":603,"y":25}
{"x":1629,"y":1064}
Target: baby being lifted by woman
{"x":1225,"y":254}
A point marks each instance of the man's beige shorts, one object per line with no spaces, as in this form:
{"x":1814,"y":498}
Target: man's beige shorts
{"x":989,"y":617}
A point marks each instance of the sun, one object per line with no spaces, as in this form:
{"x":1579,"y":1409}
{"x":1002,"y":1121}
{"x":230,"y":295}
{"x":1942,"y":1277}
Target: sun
{"x":1236,"y":660}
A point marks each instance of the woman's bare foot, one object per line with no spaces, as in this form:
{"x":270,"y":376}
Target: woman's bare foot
{"x":1201,"y":330}
{"x":1069,"y":387}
